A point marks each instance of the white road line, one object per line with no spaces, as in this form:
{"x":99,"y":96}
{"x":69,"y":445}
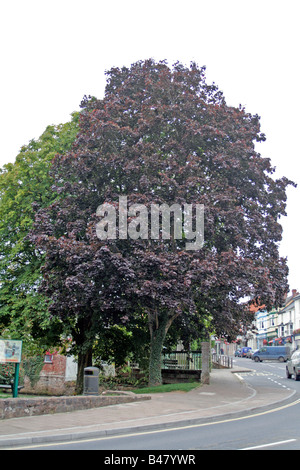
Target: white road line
{"x":269,"y":445}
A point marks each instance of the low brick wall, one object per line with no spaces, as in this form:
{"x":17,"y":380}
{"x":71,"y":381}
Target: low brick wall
{"x":18,"y":407}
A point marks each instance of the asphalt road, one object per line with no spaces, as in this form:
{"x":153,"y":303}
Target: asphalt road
{"x":276,"y":429}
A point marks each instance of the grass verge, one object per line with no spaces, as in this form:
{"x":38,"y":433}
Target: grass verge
{"x":20,"y":395}
{"x":179,"y":387}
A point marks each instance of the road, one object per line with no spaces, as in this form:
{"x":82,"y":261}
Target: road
{"x":276,"y":429}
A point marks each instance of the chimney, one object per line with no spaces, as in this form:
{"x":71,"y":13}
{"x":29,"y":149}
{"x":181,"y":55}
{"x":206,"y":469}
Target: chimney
{"x":294,"y":292}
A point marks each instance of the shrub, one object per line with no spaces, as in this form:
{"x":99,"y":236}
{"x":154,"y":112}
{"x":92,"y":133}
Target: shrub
{"x":7,"y":373}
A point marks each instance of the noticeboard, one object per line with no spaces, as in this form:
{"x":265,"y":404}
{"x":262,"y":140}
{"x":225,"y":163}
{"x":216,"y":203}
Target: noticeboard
{"x":10,"y":350}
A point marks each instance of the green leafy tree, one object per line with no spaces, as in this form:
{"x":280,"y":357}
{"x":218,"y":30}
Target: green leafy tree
{"x":24,"y":310}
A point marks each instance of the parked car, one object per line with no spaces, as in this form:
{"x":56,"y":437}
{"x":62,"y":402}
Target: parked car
{"x":268,"y":353}
{"x":245,"y":351}
{"x":238,"y":353}
{"x":250,"y":353}
{"x":293,"y":366}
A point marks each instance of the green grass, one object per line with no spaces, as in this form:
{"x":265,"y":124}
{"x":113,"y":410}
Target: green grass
{"x":10,"y":395}
{"x":179,"y":387}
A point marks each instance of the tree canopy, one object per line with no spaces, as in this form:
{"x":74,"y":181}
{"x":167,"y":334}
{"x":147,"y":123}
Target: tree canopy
{"x":23,"y":309}
{"x":161,"y":135}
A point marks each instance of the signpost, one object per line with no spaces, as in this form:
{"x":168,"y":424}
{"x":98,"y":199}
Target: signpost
{"x":11,"y":352}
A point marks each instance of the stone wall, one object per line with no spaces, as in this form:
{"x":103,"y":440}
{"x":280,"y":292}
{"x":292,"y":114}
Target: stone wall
{"x":18,"y":407}
{"x":49,"y":385}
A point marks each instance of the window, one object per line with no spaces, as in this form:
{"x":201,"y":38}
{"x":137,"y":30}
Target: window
{"x":48,"y":358}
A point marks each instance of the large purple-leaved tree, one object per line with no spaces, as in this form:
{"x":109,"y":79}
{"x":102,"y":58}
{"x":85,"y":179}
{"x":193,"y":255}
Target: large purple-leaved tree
{"x":161,"y":135}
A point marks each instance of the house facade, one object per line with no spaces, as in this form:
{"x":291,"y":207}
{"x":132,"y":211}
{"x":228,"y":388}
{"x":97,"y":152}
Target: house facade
{"x":288,"y":321}
{"x":277,"y":326}
{"x":261,"y":328}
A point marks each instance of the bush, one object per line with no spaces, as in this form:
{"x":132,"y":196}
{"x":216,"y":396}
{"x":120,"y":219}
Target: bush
{"x":7,"y":374}
{"x":32,"y":367}
{"x":122,"y":380}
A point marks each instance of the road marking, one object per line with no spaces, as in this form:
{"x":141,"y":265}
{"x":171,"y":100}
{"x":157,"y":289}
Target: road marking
{"x":269,"y":445}
{"x":269,"y":376}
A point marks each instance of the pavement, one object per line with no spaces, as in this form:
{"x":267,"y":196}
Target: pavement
{"x":227,"y":396}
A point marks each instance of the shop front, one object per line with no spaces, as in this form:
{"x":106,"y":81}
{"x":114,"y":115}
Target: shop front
{"x":261,"y":340}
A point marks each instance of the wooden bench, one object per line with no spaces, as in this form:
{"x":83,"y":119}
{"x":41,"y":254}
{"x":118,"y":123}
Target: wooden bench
{"x":172,"y":364}
{"x":10,"y":387}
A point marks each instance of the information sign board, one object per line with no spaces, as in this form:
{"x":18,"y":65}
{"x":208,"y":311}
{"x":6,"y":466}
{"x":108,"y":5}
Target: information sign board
{"x":10,"y":350}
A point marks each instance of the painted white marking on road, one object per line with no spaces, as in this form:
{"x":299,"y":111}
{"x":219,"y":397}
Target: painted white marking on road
{"x":269,"y":445}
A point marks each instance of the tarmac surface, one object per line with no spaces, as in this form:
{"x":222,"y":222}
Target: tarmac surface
{"x":226,"y":396}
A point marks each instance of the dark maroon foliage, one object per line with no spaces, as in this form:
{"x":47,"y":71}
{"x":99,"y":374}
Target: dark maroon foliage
{"x":162,"y":135}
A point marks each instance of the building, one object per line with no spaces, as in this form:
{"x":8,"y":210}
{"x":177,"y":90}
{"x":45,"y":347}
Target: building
{"x":277,"y":326}
{"x":288,"y":322}
{"x":57,"y":376}
{"x":272,"y":329}
{"x":261,"y":328}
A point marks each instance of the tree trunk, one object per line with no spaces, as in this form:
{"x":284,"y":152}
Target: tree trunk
{"x":84,"y":360}
{"x":158,"y":330}
{"x":157,"y":341}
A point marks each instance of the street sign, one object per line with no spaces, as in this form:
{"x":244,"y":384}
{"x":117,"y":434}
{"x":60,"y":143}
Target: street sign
{"x":10,"y":350}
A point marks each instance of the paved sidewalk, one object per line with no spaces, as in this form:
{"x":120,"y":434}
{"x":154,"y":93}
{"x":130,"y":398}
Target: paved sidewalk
{"x":226,"y":396}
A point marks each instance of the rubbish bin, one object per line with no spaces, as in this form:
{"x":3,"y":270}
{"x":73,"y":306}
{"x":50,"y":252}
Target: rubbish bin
{"x":91,"y":381}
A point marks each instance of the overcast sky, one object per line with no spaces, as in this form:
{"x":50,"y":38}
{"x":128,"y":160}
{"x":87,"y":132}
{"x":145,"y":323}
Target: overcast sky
{"x":54,"y":52}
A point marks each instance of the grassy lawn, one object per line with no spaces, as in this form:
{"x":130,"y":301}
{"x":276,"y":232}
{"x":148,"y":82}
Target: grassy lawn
{"x":10,"y":395}
{"x":6,"y":394}
{"x":179,"y":387}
